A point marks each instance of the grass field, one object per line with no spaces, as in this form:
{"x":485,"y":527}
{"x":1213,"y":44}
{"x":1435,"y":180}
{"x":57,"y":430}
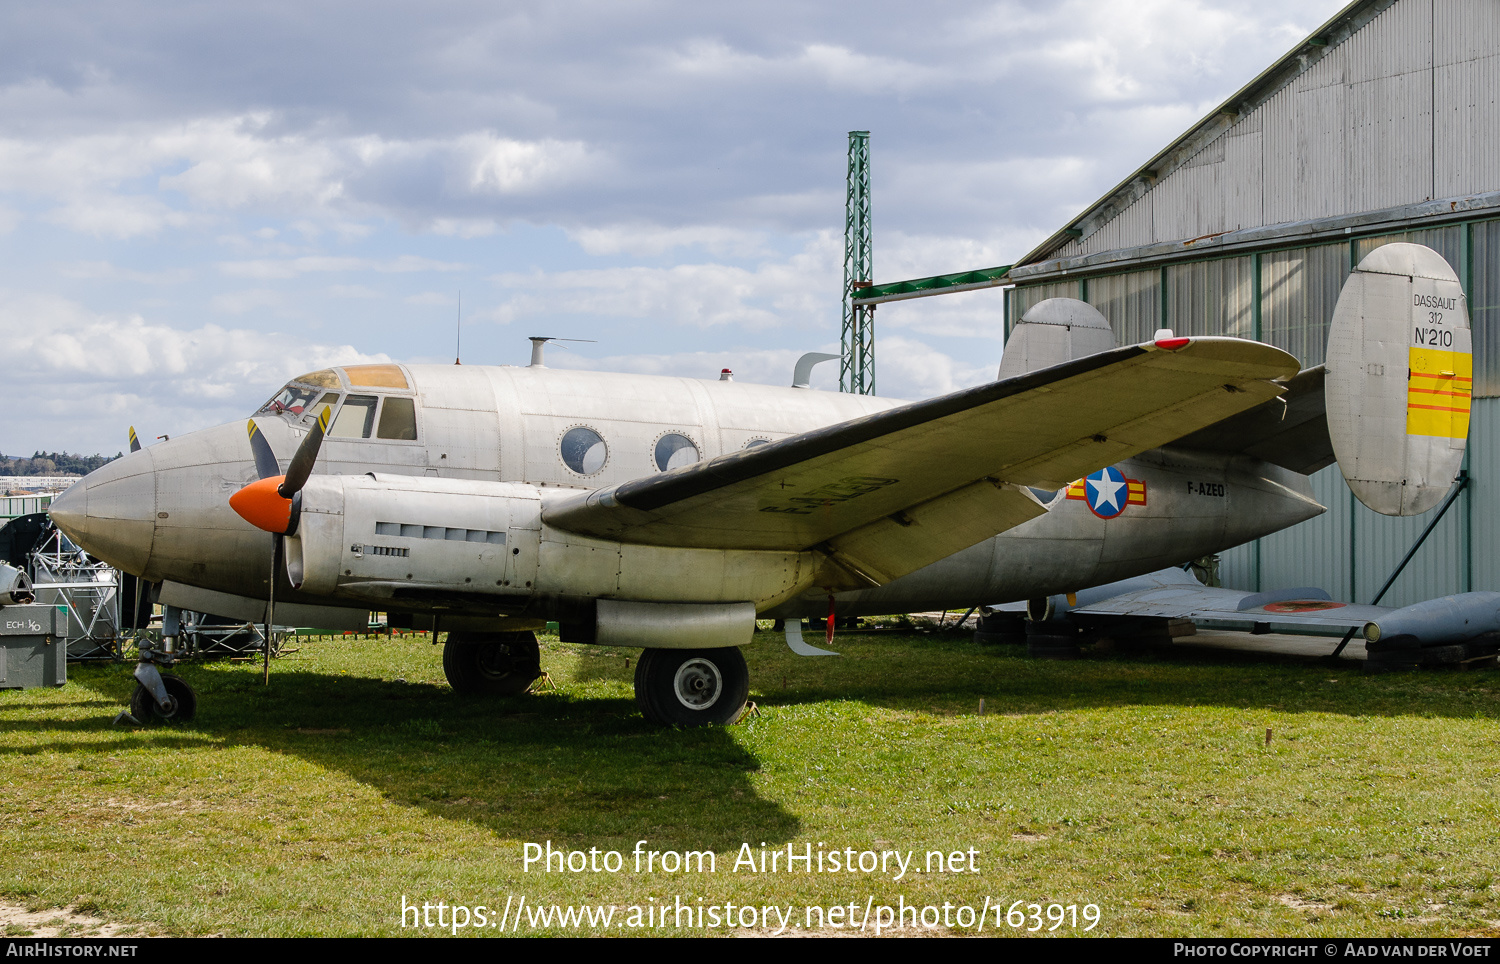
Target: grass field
{"x":1143,"y":786}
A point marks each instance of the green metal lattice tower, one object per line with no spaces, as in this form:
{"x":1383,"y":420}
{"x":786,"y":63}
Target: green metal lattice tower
{"x":857,"y":362}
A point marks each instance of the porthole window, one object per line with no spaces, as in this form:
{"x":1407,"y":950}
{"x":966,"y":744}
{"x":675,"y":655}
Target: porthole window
{"x":673,"y":451}
{"x":583,"y":450}
{"x":756,"y":442}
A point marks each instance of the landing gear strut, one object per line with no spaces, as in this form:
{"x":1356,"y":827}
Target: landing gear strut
{"x":179,"y":707}
{"x":692,"y":687}
{"x":491,"y":664}
{"x":161,"y":697}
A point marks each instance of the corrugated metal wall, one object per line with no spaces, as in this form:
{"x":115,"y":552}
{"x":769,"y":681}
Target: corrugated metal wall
{"x":1287,"y":297}
{"x":1299,"y":289}
{"x":1131,"y":301}
{"x":1484,"y":305}
{"x":1404,"y":110}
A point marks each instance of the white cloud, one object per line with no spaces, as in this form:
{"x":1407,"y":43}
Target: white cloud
{"x":243,"y":162}
{"x":907,"y":368}
{"x":465,"y":228}
{"x":353,"y":291}
{"x":119,"y":216}
{"x":268,"y":269}
{"x":772,"y":294}
{"x":834,"y":65}
{"x":252,"y":299}
{"x":500,"y":165}
{"x":657,"y":239}
{"x":106,"y":271}
{"x":93,"y":367}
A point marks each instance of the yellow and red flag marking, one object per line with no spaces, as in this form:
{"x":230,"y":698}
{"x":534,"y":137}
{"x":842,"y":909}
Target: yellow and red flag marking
{"x":1438,"y":392}
{"x":1108,"y":492}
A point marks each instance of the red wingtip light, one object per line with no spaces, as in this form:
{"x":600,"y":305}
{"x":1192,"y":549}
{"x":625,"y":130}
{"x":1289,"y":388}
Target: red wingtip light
{"x":262,"y":506}
{"x":1172,"y":344}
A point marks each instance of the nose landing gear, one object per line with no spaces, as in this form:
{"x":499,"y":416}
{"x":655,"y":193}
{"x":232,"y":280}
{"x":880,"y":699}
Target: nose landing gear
{"x":161,"y":697}
{"x":179,"y":705}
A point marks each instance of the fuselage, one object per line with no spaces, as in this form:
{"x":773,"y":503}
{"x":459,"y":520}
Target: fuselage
{"x":162,"y":513}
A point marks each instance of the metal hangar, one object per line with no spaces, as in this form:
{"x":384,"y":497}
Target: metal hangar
{"x":1381,"y":126}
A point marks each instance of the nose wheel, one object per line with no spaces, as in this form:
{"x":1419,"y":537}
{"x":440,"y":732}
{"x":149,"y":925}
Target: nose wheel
{"x":692,"y":687}
{"x":181,"y":703}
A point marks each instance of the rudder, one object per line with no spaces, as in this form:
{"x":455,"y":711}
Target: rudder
{"x":1400,"y":378}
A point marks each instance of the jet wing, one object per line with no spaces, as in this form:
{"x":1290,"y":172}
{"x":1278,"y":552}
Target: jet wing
{"x":893,"y":491}
{"x":1174,"y":594}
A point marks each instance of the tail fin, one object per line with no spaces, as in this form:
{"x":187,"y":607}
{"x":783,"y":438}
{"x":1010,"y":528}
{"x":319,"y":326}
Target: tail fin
{"x":1400,"y":376}
{"x":1052,"y":332}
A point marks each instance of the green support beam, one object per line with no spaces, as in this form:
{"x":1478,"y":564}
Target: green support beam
{"x":939,"y":284}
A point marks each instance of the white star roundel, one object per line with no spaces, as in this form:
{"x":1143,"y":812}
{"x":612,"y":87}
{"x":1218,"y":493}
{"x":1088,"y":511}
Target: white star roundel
{"x":1106,"y":493}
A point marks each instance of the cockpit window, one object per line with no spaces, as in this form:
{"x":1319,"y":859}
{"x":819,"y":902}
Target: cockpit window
{"x":327,"y":378}
{"x":398,"y":419}
{"x":296,"y":400}
{"x":355,"y":419}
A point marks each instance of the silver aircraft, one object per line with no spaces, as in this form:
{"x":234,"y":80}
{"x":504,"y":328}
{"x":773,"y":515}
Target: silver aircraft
{"x":669,"y":513}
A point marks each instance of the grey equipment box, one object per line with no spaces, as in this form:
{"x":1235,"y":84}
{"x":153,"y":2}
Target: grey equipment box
{"x":31,"y":652}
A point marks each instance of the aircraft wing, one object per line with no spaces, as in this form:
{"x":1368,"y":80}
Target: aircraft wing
{"x":1173,"y":594}
{"x":1291,"y":431}
{"x":890,"y":492}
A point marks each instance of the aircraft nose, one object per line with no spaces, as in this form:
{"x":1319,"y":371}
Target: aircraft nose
{"x":111,"y":512}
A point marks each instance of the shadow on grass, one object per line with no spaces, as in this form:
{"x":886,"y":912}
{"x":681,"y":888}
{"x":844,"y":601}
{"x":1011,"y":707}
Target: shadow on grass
{"x":585,"y":772}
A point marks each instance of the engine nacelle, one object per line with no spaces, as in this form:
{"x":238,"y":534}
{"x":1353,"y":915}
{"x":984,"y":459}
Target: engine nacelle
{"x":379,"y":537}
{"x":674,"y":625}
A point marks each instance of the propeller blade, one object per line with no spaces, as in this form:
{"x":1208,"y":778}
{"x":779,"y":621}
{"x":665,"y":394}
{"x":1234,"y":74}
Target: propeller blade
{"x":266,"y":465}
{"x":307,"y":453}
{"x":135,"y":443}
{"x":271,"y":606}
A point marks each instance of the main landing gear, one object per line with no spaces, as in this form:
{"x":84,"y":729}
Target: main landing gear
{"x":692,"y":687}
{"x":491,"y":664}
{"x":673,"y":687}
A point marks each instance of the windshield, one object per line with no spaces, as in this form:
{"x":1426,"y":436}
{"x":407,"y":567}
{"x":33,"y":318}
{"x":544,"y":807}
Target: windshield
{"x":302,"y":398}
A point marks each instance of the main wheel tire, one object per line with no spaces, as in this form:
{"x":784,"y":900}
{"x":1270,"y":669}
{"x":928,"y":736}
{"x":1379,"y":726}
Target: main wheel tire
{"x":491,"y":664}
{"x":692,"y":687}
{"x":182,"y":702}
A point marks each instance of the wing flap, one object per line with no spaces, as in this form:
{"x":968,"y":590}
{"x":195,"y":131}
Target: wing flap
{"x":1043,"y":429}
{"x":909,"y":539}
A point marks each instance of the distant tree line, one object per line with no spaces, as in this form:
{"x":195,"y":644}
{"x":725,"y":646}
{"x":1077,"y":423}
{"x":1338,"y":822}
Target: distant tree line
{"x":54,"y":463}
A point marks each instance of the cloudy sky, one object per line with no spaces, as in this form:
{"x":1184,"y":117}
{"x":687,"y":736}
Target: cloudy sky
{"x":199,"y":200}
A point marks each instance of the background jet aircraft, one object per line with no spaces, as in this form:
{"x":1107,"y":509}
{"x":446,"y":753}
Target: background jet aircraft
{"x":669,"y":513}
